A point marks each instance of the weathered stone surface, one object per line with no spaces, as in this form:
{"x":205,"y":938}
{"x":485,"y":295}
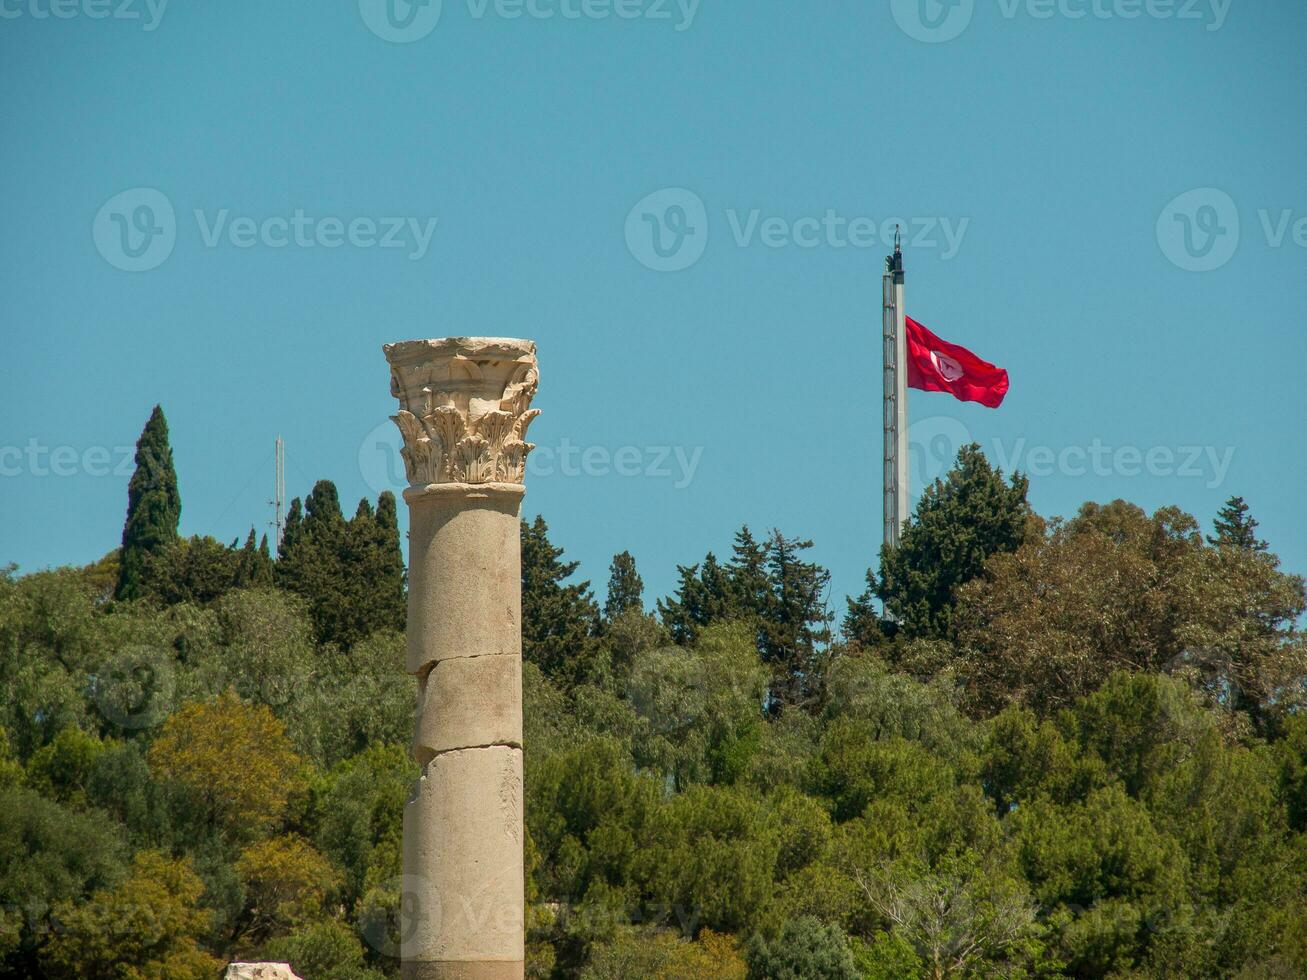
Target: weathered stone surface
{"x":466,"y":702}
{"x":464,"y":408}
{"x":463,"y":853}
{"x":465,"y":574}
{"x":455,"y":970}
{"x":259,"y":971}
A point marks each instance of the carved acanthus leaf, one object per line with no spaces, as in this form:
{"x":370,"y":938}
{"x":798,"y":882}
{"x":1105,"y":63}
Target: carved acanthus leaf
{"x":465,"y":405}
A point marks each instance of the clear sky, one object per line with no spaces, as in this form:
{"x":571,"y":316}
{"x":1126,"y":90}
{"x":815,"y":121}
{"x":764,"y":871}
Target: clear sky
{"x":248,"y":159}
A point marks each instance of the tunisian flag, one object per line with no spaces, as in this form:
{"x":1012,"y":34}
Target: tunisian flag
{"x":937,"y":365}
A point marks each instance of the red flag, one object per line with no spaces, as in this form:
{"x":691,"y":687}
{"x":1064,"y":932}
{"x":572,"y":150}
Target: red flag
{"x":937,"y":365}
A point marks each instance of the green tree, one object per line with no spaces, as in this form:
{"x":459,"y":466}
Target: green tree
{"x":794,"y":622}
{"x":557,"y":619}
{"x":805,"y":950}
{"x":1236,"y":528}
{"x":198,"y":570}
{"x":286,"y":883}
{"x":350,"y":573}
{"x":146,"y":928}
{"x":235,"y":761}
{"x":153,"y":505}
{"x":48,"y":855}
{"x":960,"y":521}
{"x":324,"y":950}
{"x":254,"y":569}
{"x":781,"y":597}
{"x":625,"y":588}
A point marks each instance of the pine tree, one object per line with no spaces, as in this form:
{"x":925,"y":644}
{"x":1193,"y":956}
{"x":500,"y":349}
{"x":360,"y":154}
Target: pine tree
{"x":153,"y":506}
{"x":959,"y":523}
{"x":704,"y":596}
{"x":1236,"y":528}
{"x":625,"y":587}
{"x":557,"y":619}
{"x":795,"y":626}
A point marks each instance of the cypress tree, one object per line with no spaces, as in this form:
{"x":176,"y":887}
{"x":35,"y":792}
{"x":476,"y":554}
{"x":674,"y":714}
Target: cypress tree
{"x":625,"y":587}
{"x":153,"y":506}
{"x":351,"y":573}
{"x":255,"y":566}
{"x":290,"y":532}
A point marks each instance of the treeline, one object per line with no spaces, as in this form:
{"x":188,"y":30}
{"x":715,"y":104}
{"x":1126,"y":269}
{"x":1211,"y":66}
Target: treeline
{"x":1031,"y":748}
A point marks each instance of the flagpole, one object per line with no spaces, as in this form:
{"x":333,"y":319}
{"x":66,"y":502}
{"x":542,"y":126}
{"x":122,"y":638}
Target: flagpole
{"x":895,"y":397}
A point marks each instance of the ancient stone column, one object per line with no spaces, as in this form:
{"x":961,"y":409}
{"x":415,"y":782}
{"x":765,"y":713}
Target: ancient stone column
{"x":464,"y":407}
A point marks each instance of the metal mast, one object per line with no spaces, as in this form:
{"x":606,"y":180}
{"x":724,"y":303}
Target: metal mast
{"x":279,"y":493}
{"x":895,"y":415}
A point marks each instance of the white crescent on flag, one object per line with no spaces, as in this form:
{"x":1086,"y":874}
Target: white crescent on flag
{"x":949,"y":369}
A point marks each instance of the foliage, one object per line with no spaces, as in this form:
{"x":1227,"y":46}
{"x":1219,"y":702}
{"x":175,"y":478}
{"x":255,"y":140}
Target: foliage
{"x":1114,"y":590}
{"x":145,"y":928}
{"x":325,"y":950}
{"x":557,"y":618}
{"x":349,"y":573}
{"x":235,"y":760}
{"x":153,"y":506}
{"x":625,"y":587}
{"x":1083,"y":754}
{"x":286,"y":883}
{"x":960,"y":521}
{"x":805,"y":950}
{"x":769,"y":587}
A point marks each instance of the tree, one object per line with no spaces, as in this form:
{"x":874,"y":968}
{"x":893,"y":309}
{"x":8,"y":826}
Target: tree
{"x":956,"y":917}
{"x":286,"y":884}
{"x":235,"y":761}
{"x":779,"y":596}
{"x":48,"y":855}
{"x":198,"y":570}
{"x":625,"y":588}
{"x":153,"y":505}
{"x":959,"y":523}
{"x":557,"y":619}
{"x":146,"y":928}
{"x":350,"y":573}
{"x":254,"y":569}
{"x":1236,"y":528}
{"x":1115,"y":589}
{"x":805,"y":950}
{"x":323,"y":950}
{"x":793,"y":621}
{"x":704,"y":596}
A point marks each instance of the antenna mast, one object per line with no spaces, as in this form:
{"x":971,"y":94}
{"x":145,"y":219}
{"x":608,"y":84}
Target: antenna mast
{"x":279,"y":493}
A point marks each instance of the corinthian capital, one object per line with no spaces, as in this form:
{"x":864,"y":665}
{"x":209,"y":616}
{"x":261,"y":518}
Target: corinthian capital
{"x":464,"y":407}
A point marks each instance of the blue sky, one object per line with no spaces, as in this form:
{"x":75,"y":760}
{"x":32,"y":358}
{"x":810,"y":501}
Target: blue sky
{"x":1107,"y":197}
